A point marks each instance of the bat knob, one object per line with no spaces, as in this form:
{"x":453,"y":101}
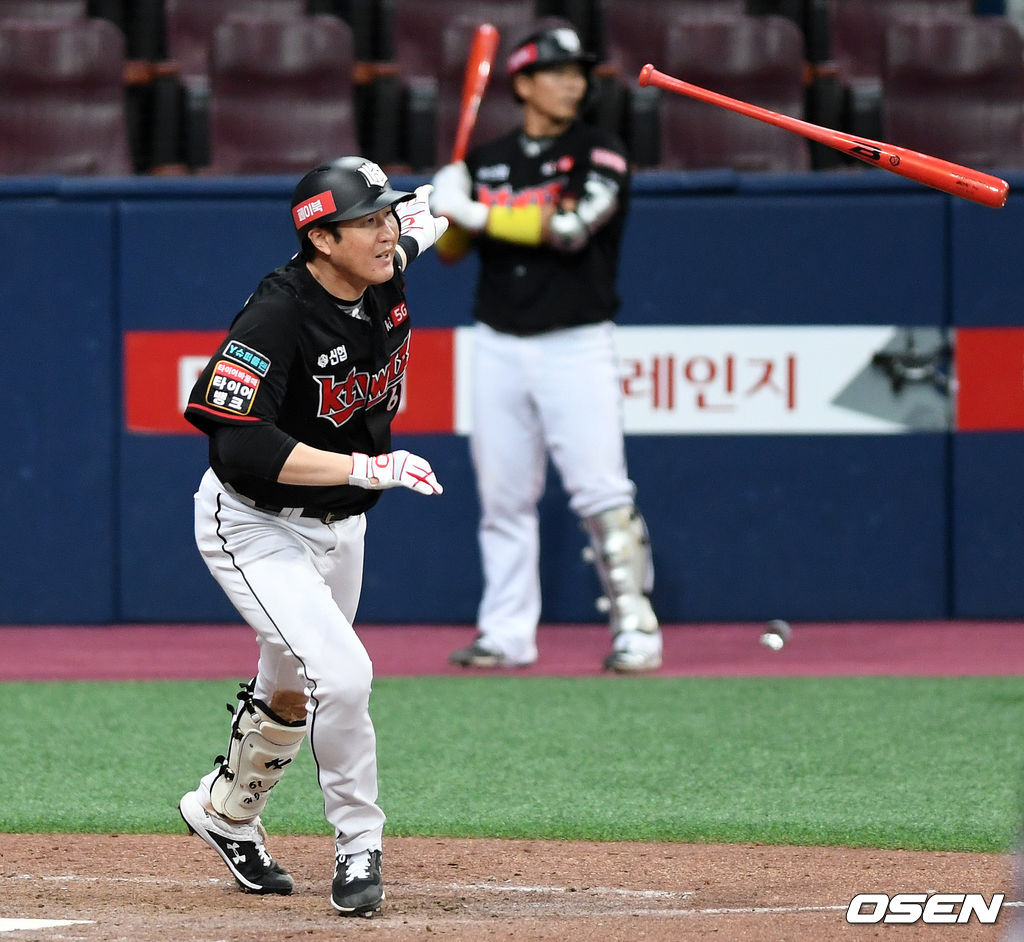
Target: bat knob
{"x":645,"y":74}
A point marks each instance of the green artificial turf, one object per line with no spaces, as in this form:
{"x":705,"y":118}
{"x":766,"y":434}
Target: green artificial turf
{"x":881,"y":762}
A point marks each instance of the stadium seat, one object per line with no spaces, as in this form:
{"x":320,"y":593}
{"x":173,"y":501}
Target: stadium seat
{"x":62,"y":102}
{"x":191,"y":24}
{"x":636,"y":33}
{"x":428,"y":40}
{"x":280,"y":93}
{"x":857,"y":32}
{"x":43,"y":9}
{"x":758,"y":59}
{"x":954,"y":87}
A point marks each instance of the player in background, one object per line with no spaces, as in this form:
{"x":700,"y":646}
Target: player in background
{"x":545,"y":206}
{"x":298,"y":403}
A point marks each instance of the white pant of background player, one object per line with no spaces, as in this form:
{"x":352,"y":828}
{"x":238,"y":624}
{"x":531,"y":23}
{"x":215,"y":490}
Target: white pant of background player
{"x":556,"y":394}
{"x":297,"y":582}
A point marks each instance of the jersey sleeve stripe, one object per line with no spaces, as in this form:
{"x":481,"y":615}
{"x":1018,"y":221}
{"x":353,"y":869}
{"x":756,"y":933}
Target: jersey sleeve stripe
{"x":229,"y":416}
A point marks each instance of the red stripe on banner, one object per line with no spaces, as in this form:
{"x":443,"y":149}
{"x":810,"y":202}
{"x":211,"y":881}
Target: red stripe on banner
{"x":154,"y":380}
{"x":160,"y":367}
{"x":429,"y":403}
{"x":990,"y":379}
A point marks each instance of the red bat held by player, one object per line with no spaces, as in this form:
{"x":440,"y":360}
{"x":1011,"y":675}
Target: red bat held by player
{"x":482,"y":51}
{"x":932,"y":171}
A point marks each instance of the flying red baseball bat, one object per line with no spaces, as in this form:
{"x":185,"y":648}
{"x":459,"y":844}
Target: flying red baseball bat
{"x":932,"y":171}
{"x":482,"y":51}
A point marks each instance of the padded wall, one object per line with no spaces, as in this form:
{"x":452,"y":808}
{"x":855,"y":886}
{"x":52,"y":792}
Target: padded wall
{"x":849,"y":526}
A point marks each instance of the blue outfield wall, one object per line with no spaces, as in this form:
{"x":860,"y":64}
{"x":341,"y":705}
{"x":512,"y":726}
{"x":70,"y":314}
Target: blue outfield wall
{"x":99,"y":521}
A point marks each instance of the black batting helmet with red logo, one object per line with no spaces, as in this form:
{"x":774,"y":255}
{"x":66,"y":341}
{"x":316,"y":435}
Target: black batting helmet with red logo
{"x":548,"y":48}
{"x":346,"y":188}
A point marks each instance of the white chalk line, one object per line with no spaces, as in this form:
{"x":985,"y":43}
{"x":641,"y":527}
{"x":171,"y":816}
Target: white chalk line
{"x":585,"y":891}
{"x":19,"y":925}
{"x":141,"y":881}
{"x":497,"y":888}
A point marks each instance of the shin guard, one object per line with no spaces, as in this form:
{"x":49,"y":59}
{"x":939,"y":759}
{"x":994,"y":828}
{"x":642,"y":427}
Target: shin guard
{"x":621,"y":553}
{"x":262,"y":745}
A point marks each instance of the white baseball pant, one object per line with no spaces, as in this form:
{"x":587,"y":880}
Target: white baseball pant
{"x":555,"y":393}
{"x":296,"y":582}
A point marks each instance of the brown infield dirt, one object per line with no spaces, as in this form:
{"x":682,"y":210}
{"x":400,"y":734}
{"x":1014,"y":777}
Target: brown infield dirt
{"x":141,"y":888}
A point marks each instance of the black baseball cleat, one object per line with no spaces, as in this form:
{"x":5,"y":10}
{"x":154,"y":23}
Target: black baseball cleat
{"x":240,"y":846}
{"x":358,"y":889}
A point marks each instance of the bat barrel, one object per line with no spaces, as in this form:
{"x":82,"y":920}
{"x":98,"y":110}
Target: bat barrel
{"x":935,"y":172}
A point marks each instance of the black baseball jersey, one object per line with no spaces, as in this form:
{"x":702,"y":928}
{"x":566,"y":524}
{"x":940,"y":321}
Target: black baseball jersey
{"x":322,"y":372}
{"x":530,"y":289}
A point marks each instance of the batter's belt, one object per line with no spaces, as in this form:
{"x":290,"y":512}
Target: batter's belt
{"x":315,"y":513}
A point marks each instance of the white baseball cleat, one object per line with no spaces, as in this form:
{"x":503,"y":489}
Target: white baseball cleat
{"x":240,"y":846}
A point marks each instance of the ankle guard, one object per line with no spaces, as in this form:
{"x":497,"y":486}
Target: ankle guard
{"x":262,"y":746}
{"x":621,"y":553}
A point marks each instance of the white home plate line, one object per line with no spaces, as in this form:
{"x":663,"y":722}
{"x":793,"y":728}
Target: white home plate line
{"x":159,"y":881}
{"x":15,"y":925}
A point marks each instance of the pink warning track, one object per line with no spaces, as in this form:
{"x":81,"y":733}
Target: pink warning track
{"x":184,"y":652}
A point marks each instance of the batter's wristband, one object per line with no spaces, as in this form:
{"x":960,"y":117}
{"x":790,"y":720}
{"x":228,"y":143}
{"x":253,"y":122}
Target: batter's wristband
{"x":410,"y":246}
{"x":521,"y":224}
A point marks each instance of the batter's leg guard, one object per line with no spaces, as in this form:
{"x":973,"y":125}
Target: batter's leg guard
{"x":620,"y":550}
{"x":262,"y":746}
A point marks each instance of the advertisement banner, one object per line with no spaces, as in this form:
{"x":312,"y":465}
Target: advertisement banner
{"x":687,"y":380}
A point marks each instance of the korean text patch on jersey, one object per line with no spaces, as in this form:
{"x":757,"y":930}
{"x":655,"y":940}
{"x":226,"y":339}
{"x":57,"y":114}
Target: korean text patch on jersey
{"x":248,"y":356}
{"x":232,"y":388}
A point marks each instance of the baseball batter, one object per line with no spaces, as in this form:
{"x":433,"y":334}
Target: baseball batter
{"x":545,"y":206}
{"x":298,"y":403}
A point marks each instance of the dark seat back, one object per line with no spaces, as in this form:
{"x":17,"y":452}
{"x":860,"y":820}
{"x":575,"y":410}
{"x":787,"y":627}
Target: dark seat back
{"x":190,"y":25}
{"x":636,"y":33}
{"x":858,"y":29}
{"x":62,"y":100}
{"x":758,"y":59}
{"x":281,"y":93}
{"x":954,"y":88}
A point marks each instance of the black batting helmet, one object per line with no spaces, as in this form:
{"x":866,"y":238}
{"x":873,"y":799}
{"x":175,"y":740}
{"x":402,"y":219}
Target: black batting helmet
{"x":546,"y":48}
{"x":346,"y":188}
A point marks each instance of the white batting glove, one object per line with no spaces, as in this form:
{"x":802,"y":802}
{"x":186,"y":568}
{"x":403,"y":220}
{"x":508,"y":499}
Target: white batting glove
{"x":451,"y":198}
{"x":416,"y":220}
{"x":395,"y":469}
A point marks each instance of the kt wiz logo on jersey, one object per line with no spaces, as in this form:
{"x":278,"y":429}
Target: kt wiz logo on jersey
{"x":341,"y":399}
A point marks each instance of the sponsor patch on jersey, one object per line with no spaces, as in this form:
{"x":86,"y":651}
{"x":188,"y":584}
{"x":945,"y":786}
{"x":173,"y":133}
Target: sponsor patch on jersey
{"x":398,"y":314}
{"x":493,"y":174}
{"x":316,"y":206}
{"x":232,"y":388}
{"x":341,"y":399}
{"x":602,"y":157}
{"x":248,"y":356}
{"x":332,"y":357}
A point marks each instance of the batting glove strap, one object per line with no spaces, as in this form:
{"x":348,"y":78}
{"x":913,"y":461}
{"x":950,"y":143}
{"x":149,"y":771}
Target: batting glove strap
{"x":395,"y":469}
{"x":416,"y":220}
